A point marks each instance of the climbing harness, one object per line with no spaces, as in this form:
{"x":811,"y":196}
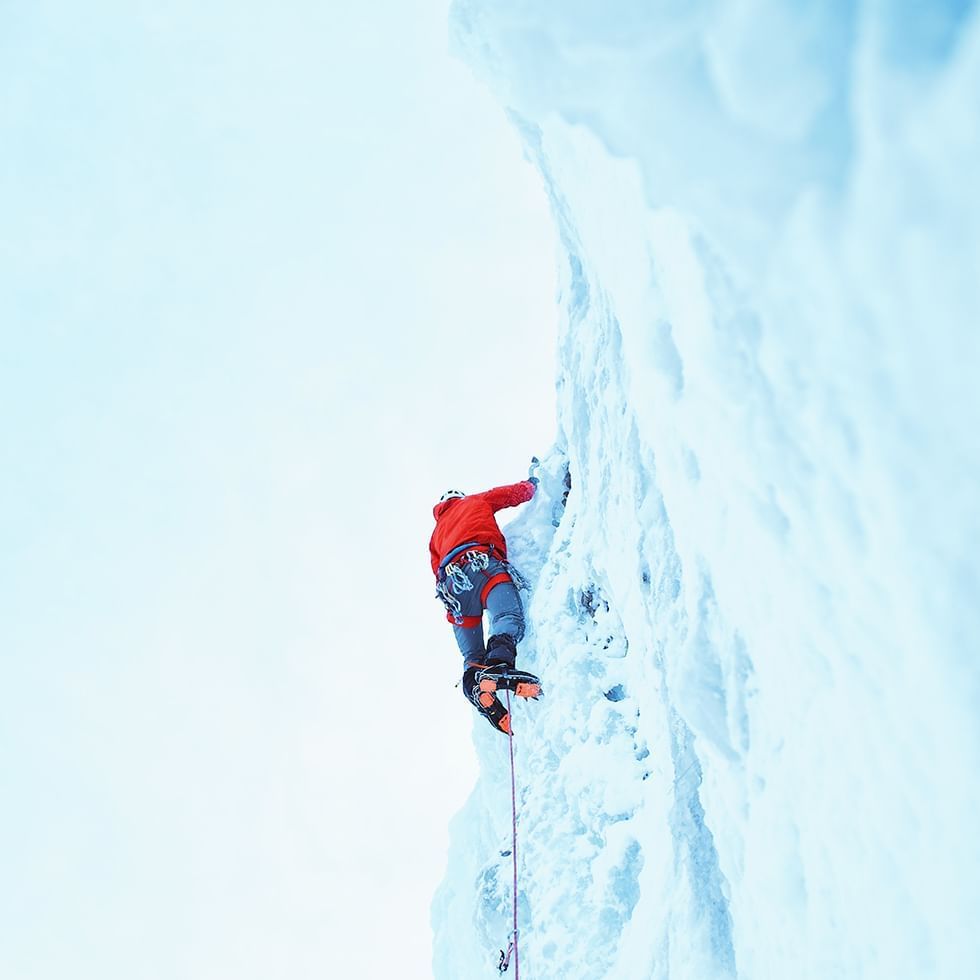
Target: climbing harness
{"x":453,"y":579}
{"x":512,"y":939}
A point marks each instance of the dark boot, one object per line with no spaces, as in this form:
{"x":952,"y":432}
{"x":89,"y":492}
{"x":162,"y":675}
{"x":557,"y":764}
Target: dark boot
{"x":501,"y":649}
{"x":481,"y":681}
{"x":501,"y":674}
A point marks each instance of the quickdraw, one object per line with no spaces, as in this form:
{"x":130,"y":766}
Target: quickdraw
{"x":505,"y":958}
{"x":453,"y":584}
{"x":453,"y":607}
{"x":519,"y":581}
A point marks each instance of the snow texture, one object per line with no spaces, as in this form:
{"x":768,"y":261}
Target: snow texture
{"x":757,"y":616}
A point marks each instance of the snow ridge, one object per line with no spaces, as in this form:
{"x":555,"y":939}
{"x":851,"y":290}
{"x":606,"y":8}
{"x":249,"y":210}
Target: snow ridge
{"x":756,"y":615}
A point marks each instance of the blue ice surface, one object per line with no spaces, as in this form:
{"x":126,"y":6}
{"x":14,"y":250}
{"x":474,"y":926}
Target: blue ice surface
{"x":757,"y":605}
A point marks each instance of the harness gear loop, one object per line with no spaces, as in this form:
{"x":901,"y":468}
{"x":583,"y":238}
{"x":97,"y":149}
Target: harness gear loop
{"x":451,"y":582}
{"x":515,"y":576}
{"x":452,"y":604}
{"x":453,"y":579}
{"x":478,"y":561}
{"x":458,"y":580}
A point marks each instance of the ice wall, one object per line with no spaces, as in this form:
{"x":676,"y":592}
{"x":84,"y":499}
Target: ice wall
{"x":757,"y":617}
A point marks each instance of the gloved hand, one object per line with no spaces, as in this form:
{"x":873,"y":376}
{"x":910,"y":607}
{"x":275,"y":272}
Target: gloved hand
{"x":535,"y":463}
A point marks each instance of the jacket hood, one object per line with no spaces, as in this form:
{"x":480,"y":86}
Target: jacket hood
{"x":443,"y":506}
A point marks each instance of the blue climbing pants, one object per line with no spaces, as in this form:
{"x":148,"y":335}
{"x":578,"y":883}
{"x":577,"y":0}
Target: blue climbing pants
{"x":473,"y":580}
{"x":503,"y":606}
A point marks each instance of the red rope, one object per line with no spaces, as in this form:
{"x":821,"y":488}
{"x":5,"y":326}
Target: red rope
{"x":513,"y":812}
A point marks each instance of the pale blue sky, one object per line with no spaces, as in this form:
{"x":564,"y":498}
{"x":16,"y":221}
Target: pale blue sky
{"x":272,"y":278}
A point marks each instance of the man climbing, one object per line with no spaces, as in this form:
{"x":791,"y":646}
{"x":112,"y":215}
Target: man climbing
{"x":469,"y":559}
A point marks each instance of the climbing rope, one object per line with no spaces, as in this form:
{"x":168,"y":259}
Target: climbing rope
{"x":512,"y":946}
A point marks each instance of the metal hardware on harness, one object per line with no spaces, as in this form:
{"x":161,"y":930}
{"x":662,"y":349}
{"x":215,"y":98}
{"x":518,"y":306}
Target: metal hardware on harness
{"x":519,"y":581}
{"x":452,"y":604}
{"x":455,"y":581}
{"x":478,"y":561}
{"x":458,"y":580}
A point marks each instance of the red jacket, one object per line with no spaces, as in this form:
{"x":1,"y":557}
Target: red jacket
{"x":460,"y":520}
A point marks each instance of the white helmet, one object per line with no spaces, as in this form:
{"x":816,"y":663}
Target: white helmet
{"x":449,"y":494}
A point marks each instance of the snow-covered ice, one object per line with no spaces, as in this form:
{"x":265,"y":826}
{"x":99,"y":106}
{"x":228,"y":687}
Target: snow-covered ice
{"x":757,"y":618}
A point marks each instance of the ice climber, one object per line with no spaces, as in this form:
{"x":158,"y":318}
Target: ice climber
{"x":469,"y":559}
